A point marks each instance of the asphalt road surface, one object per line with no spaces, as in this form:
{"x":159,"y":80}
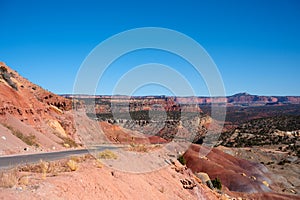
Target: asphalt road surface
{"x":15,"y":160}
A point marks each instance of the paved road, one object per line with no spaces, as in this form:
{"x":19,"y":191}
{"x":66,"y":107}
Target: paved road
{"x":11,"y":161}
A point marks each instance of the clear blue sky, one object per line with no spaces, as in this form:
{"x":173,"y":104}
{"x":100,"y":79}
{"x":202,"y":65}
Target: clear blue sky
{"x":255,"y":44}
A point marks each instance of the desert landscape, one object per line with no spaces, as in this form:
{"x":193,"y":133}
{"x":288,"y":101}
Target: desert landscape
{"x":154,"y":100}
{"x":256,"y":156}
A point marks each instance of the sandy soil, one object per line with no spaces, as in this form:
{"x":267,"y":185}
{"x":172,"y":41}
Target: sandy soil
{"x":96,"y":181}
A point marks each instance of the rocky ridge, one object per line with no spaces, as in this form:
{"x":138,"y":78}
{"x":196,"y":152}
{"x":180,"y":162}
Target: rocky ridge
{"x":37,"y":119}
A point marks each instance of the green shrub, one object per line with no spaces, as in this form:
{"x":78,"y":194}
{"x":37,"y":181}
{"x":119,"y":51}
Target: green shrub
{"x":217,"y":183}
{"x":181,"y":159}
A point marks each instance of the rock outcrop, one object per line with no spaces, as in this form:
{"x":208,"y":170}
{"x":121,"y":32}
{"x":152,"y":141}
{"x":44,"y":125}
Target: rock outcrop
{"x":28,"y":109}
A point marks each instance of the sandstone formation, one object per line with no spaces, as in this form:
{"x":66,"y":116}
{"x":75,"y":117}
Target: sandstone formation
{"x":37,"y":119}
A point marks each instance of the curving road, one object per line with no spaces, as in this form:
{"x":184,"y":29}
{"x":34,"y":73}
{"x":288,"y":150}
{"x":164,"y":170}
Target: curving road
{"x":14,"y":160}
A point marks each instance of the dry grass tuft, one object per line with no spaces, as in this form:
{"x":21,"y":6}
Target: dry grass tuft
{"x":98,"y":164}
{"x":68,"y":142}
{"x":72,"y":165}
{"x":107,"y":154}
{"x":83,"y":158}
{"x":24,"y":180}
{"x":41,"y":167}
{"x":55,"y":167}
{"x":44,"y":168}
{"x":29,"y":140}
{"x":8,"y":179}
{"x":138,"y":148}
{"x":21,"y":174}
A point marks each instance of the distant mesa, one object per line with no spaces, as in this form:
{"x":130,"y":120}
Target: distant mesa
{"x":241,"y":94}
{"x":239,"y":99}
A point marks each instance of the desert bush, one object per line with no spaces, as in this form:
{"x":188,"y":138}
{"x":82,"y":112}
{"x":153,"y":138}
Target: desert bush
{"x":41,"y":167}
{"x":29,"y":140}
{"x":217,"y":183}
{"x":72,"y":165}
{"x":138,"y":148}
{"x":23,"y":180}
{"x":107,"y":154}
{"x":44,"y":168}
{"x":98,"y":163}
{"x":68,"y":142}
{"x":53,"y":168}
{"x":9,"y":179}
{"x":181,"y":159}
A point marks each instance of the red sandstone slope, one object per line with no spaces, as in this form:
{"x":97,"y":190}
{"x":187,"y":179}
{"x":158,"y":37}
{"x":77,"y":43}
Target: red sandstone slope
{"x":233,"y":172}
{"x":29,"y":112}
{"x":241,"y":177}
{"x":119,"y":135}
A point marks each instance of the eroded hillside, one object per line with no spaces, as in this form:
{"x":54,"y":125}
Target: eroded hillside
{"x":31,"y":118}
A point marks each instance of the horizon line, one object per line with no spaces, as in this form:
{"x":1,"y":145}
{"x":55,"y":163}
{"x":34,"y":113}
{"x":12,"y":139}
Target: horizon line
{"x":163,"y":95}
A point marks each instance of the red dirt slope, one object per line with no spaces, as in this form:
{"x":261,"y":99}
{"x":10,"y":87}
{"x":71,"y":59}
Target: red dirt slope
{"x":238,"y":175}
{"x":29,"y":110}
{"x":117,"y":134}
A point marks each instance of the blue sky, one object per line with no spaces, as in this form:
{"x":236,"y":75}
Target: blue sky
{"x":255,"y":44}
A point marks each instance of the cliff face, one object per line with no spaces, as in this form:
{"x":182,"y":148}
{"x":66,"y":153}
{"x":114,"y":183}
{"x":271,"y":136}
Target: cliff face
{"x":29,"y":111}
{"x":103,"y":104}
{"x":244,"y":98}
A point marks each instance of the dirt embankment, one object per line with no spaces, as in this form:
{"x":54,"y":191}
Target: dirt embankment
{"x":92,"y":180}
